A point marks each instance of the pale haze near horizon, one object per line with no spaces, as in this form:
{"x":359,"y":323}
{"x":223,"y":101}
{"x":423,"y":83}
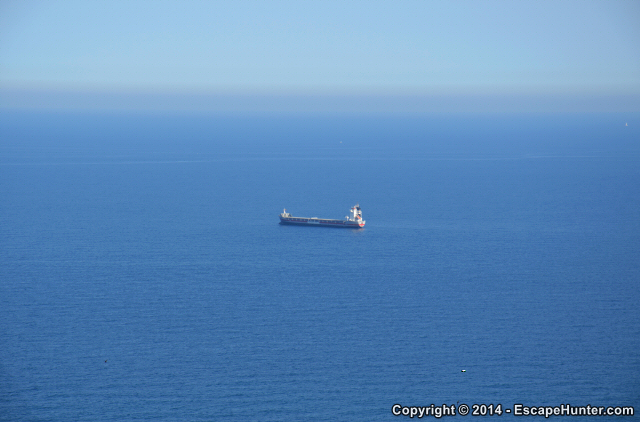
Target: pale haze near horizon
{"x":403,"y":55}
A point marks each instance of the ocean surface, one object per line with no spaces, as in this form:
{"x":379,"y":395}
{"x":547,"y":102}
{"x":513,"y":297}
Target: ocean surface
{"x":144,"y":275}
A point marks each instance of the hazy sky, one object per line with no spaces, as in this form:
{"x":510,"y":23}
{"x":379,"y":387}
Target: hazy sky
{"x":322,"y":47}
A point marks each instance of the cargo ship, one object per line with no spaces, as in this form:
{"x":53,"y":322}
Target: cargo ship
{"x":353,"y":221}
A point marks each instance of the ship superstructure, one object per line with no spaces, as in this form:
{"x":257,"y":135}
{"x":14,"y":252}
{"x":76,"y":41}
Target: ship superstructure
{"x":353,"y":221}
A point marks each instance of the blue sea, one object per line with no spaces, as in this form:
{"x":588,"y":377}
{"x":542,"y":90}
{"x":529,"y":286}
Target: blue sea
{"x":144,"y":275}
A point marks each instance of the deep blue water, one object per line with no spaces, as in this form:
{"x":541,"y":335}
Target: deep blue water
{"x":144,"y":275}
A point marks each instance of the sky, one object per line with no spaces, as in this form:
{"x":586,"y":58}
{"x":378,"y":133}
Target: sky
{"x":279,"y":54}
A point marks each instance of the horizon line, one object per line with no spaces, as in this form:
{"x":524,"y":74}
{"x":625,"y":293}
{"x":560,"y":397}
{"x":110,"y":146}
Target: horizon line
{"x":288,"y":101}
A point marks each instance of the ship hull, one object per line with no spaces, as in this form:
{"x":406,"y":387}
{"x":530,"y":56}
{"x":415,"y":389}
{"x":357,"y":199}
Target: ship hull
{"x":321,"y":222}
